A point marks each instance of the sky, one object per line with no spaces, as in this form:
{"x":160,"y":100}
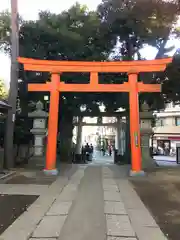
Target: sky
{"x":29,"y":9}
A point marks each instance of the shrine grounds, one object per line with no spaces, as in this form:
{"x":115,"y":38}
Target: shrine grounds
{"x":160,"y":192}
{"x":13,"y":205}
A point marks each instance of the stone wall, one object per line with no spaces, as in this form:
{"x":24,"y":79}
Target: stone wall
{"x":21,"y":153}
{"x":1,"y":157}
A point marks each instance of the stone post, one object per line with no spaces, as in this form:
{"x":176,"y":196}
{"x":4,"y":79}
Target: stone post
{"x":122,"y":139}
{"x":127,"y":154}
{"x":118,"y":156}
{"x":118,"y":136}
{"x":39,"y":131}
{"x":117,"y":140}
{"x":79,"y":136}
{"x":146,"y":118}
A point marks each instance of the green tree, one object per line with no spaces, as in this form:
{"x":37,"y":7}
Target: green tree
{"x":170,"y":80}
{"x":74,"y":35}
{"x":79,"y":34}
{"x":3,"y":90}
{"x":137,"y":24}
{"x":5,"y":23}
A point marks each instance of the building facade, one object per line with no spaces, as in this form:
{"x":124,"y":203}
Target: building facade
{"x":167,"y":128}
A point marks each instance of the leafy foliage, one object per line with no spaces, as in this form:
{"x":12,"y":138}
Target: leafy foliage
{"x":170,"y":81}
{"x":118,"y":30}
{"x":79,"y":34}
{"x":3,"y":90}
{"x":5,"y":29}
{"x":137,"y":23}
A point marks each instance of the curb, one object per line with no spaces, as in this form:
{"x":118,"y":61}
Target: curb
{"x":10,"y":174}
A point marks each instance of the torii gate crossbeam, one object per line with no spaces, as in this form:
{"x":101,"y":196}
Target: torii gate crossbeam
{"x":133,"y":87}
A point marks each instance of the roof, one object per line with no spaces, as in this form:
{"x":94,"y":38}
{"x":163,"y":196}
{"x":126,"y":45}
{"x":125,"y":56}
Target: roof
{"x":4,"y":106}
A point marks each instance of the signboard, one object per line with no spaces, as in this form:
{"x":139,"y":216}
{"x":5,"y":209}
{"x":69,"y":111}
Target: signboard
{"x":174,"y":138}
{"x":178,"y":155}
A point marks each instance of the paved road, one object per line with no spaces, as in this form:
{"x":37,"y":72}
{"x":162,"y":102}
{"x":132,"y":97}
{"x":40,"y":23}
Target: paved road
{"x":95,"y":203}
{"x":99,"y":159}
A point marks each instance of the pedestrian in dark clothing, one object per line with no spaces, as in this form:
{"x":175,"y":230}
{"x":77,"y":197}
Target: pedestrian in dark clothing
{"x":83,"y":154}
{"x":110,"y":150}
{"x":87,"y":151}
{"x":103,"y":151}
{"x":91,"y":152}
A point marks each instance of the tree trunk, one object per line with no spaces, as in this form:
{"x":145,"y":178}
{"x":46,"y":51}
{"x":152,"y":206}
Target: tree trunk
{"x":66,"y":133}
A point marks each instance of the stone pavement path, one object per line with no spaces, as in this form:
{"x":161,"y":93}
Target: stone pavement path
{"x":94,"y":204}
{"x":98,"y":159}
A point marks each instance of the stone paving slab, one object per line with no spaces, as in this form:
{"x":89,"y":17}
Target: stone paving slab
{"x":107,"y":175}
{"x":67,"y":196}
{"x":24,"y":189}
{"x":75,"y":182}
{"x":109,"y":182}
{"x":42,"y":239}
{"x":129,"y":195}
{"x":110,"y":188}
{"x":3,"y":188}
{"x":71,"y":187}
{"x":114,"y":208}
{"x":59,"y":208}
{"x":112,"y":196}
{"x":83,"y":167}
{"x":150,"y":233}
{"x":141,"y":217}
{"x":49,"y":227}
{"x":121,"y":238}
{"x":119,"y":225}
{"x":141,"y":220}
{"x":79,"y":174}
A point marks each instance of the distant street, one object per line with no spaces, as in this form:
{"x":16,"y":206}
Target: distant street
{"x":160,"y":160}
{"x":99,"y":159}
{"x":165,"y":160}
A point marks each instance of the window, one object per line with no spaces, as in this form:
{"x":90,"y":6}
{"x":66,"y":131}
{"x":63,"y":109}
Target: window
{"x":177,"y":121}
{"x":160,"y":123}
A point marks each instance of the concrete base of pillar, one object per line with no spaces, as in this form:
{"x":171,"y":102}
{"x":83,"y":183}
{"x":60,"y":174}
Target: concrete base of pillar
{"x":53,"y":172}
{"x":137,"y":174}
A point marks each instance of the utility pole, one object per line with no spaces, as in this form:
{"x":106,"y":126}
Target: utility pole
{"x":13,"y":92}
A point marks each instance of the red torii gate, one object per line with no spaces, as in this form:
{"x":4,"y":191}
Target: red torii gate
{"x":133,"y":87}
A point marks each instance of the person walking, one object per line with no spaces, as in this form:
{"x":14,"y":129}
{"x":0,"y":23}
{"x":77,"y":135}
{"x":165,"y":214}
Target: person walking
{"x":110,"y":150}
{"x":87,"y":151}
{"x":103,"y":151}
{"x":91,"y":152}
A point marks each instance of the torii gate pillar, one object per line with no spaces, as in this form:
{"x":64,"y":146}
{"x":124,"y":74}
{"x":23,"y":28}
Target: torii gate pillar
{"x":50,"y":167}
{"x":134,"y":125}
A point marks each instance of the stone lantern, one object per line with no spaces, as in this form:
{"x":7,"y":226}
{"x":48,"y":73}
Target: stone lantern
{"x":39,"y":130}
{"x":146,"y":117}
